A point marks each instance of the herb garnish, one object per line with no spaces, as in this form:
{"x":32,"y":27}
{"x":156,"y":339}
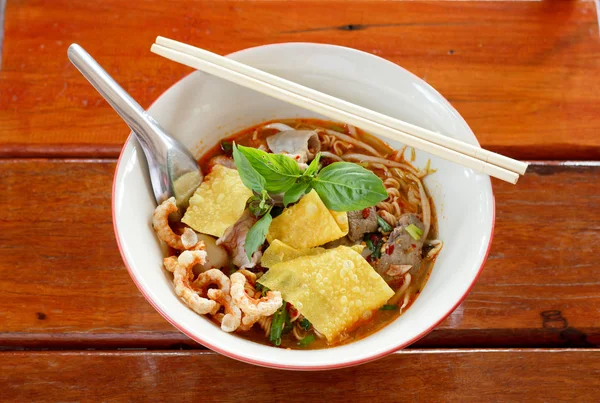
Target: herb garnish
{"x":261,"y":288}
{"x":342,"y":186}
{"x":307,"y":340}
{"x":384,"y":226}
{"x":305,"y":324}
{"x":374,"y":242}
{"x":414,"y":231}
{"x":277,"y":325}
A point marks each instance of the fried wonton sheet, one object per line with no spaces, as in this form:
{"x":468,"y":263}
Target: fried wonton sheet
{"x":308,"y":223}
{"x":218,"y":203}
{"x":333,"y":289}
{"x":279,"y":252}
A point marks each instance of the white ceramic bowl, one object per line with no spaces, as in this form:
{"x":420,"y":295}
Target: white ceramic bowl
{"x":201,"y":109}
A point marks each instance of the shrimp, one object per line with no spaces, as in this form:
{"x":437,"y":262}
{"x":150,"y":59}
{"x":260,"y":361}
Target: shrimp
{"x":249,"y":320}
{"x":252,"y":307}
{"x":189,"y":239}
{"x":250,"y":281}
{"x":160,"y":222}
{"x":170,"y":263}
{"x":251,"y":277}
{"x":182,"y":274}
{"x":209,"y":277}
{"x":233,"y":315}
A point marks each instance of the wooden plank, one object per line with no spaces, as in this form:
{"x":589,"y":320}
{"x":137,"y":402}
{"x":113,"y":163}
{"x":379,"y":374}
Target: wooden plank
{"x":425,"y":375}
{"x":523,"y":74}
{"x":63,"y":284}
{"x":2,"y":8}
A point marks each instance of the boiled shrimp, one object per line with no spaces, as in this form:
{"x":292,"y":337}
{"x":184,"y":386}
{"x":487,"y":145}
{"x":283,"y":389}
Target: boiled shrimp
{"x":170,"y":263}
{"x":160,"y":222}
{"x":182,"y":274}
{"x":189,"y":239}
{"x":250,"y":276}
{"x":233,"y":315}
{"x":211,"y":277}
{"x":253,"y":307}
{"x":249,"y":320}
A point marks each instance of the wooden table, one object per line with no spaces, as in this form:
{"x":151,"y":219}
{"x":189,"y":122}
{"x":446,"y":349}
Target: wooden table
{"x":524,"y":74}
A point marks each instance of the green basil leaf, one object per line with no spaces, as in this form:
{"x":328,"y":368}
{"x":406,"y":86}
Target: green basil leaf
{"x":295,"y":192}
{"x":257,"y":234}
{"x":345,"y":186}
{"x":279,"y":171}
{"x":313,"y":167}
{"x":250,"y":177}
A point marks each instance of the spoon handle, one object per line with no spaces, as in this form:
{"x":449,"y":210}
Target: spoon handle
{"x":132,"y":113}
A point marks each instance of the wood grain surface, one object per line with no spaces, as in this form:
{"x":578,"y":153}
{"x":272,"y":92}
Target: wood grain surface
{"x":523,"y":74}
{"x":426,"y":375}
{"x":2,"y":7}
{"x":63,"y":283}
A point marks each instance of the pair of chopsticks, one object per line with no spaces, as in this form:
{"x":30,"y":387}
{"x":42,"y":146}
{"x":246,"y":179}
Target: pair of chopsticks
{"x":465,"y":154}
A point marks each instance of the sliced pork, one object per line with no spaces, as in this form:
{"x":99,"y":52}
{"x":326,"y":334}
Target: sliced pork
{"x":361,"y":222}
{"x":401,"y":249}
{"x":302,"y":145}
{"x":234,"y":239}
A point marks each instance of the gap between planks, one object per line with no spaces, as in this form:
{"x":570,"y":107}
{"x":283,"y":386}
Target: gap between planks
{"x":438,"y":339}
{"x":407,"y":351}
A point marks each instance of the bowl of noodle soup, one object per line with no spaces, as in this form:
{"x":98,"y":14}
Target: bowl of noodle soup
{"x":453,"y":205}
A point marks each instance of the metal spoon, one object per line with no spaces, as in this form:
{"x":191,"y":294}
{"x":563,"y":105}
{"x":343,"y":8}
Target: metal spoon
{"x":173,"y":169}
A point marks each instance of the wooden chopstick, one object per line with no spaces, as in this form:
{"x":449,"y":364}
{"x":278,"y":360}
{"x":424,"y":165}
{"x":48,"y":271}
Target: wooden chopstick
{"x":448,"y":142}
{"x":265,"y":83}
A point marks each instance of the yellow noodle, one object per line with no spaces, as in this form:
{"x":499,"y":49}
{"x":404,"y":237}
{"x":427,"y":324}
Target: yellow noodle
{"x":340,"y":147}
{"x":388,"y":217}
{"x":393,"y":192}
{"x":391,"y":182}
{"x":265,"y":323}
{"x":298,"y":332}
